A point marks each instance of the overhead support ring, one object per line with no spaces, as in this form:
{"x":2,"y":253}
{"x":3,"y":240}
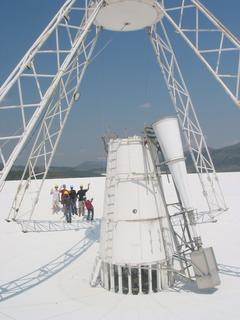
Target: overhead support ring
{"x":128,"y":15}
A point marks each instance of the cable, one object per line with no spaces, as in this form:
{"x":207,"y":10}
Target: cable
{"x":107,"y":44}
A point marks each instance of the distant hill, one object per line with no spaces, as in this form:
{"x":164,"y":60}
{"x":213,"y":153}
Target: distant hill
{"x":64,"y":172}
{"x":92,"y":165}
{"x":225,"y":159}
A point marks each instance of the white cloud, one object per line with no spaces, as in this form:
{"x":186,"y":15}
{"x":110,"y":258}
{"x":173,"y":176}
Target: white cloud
{"x":145,"y":105}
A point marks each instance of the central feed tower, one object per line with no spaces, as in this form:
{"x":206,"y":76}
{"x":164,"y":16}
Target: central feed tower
{"x":143,"y":247}
{"x":135,"y":244}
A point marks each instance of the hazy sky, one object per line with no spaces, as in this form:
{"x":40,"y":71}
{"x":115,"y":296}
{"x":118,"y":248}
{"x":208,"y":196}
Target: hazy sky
{"x":123,"y":87}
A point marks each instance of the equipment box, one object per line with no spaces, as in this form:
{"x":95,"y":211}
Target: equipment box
{"x":205,"y":268}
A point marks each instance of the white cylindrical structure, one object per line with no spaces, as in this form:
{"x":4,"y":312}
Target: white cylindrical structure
{"x":134,"y":233}
{"x":168,"y":135}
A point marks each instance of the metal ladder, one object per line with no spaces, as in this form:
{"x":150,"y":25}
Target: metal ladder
{"x":110,"y":200}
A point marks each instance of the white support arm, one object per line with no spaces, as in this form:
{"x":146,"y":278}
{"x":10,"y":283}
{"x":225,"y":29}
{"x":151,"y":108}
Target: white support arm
{"x":212,"y":42}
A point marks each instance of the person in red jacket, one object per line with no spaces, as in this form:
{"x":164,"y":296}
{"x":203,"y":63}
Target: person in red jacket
{"x":90,"y":208}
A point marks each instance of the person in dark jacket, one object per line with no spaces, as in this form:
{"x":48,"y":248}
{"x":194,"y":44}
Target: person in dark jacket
{"x":80,"y":195}
{"x":73,"y":196}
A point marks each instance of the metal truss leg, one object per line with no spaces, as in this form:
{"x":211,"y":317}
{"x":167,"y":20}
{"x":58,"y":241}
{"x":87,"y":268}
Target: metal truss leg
{"x":26,"y":94}
{"x":51,"y":128}
{"x":188,"y":120}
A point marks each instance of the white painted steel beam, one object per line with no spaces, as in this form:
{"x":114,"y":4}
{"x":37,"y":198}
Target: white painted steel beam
{"x":187,"y":117}
{"x":25,"y":84}
{"x":224,"y":47}
{"x":59,"y":100}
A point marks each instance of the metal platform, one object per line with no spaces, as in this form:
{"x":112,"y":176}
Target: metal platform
{"x":128,"y":15}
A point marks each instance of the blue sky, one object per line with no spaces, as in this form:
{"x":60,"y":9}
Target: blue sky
{"x":123,"y":87}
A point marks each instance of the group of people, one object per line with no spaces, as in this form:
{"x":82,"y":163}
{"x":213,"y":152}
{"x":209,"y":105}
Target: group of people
{"x":66,"y":200}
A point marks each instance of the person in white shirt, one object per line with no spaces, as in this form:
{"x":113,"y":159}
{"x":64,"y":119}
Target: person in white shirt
{"x":55,"y":199}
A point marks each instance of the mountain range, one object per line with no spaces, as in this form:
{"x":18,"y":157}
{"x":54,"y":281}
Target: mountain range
{"x":225,"y":159}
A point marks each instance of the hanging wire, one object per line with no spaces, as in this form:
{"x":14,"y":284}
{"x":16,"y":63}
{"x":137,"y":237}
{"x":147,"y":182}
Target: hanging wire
{"x":108,"y":43}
